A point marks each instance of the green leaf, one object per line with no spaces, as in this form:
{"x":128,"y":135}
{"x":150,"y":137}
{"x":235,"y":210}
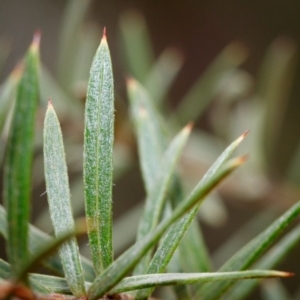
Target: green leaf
{"x":7,"y":94}
{"x":57,"y":184}
{"x":72,"y":22}
{"x":272,"y":258}
{"x":163,"y":73}
{"x":156,"y":198}
{"x":152,"y":140}
{"x":137,"y":45}
{"x":18,"y":161}
{"x":274,"y":85}
{"x":46,"y":250}
{"x":244,"y":258}
{"x":177,"y":230}
{"x":37,"y":239}
{"x":274,"y":290}
{"x":153,"y":280}
{"x":36,"y":285}
{"x":192,"y":256}
{"x":114,"y":273}
{"x":242,"y":235}
{"x":98,"y":157}
{"x":203,"y":91}
{"x":87,"y":46}
{"x":51,"y":283}
{"x":5,"y":270}
{"x":150,"y":131}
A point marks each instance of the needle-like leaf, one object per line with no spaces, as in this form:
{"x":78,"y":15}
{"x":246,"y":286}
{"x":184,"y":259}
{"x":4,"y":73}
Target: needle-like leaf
{"x":73,"y":20}
{"x":98,"y":157}
{"x":244,"y":258}
{"x":18,"y":161}
{"x":177,"y":230}
{"x":156,"y":198}
{"x":7,"y":93}
{"x":203,"y":91}
{"x":37,"y":239}
{"x":153,"y":280}
{"x":114,"y":273}
{"x":58,"y":192}
{"x":272,"y":258}
{"x":150,"y":131}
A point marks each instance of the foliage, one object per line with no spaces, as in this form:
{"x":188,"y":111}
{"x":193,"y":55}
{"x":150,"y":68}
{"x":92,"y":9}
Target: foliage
{"x":169,"y":248}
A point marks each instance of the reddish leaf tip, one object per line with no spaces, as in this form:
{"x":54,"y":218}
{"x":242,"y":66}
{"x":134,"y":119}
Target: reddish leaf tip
{"x":245,"y":133}
{"x":288,"y":274}
{"x":131,"y":82}
{"x":242,"y":159}
{"x":36,"y":40}
{"x":241,"y":137}
{"x":104,"y":33}
{"x":50,"y":104}
{"x":187,"y":129}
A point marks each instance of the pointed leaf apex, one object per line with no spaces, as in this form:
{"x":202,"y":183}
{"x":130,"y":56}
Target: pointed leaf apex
{"x":240,"y":160}
{"x":241,"y":137}
{"x":50,"y":104}
{"x":131,"y":82}
{"x":188,"y":128}
{"x":245,"y":133}
{"x":287,"y":274}
{"x":104,"y":33}
{"x":35,"y":45}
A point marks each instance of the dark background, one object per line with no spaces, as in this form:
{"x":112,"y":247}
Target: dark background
{"x":200,"y":29}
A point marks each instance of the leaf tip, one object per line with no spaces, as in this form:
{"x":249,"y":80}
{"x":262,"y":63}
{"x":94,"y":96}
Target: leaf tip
{"x":241,"y":137}
{"x":36,"y":40}
{"x":241,"y":160}
{"x":131,"y":82}
{"x":50,"y":104}
{"x":287,"y":274}
{"x":188,"y":128}
{"x":104,"y":33}
{"x":245,"y":133}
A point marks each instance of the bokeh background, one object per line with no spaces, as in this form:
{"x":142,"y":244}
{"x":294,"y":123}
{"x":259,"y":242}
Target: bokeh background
{"x":263,"y":38}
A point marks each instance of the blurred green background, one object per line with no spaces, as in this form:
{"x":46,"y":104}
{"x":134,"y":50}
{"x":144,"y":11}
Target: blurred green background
{"x":253,"y":47}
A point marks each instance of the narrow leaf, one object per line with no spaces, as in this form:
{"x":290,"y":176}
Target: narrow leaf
{"x":155,"y":280}
{"x":272,"y":258}
{"x":156,"y":198}
{"x":177,"y":230}
{"x":203,"y":91}
{"x":113,"y":274}
{"x":98,"y":157}
{"x":244,"y":258}
{"x":150,"y":131}
{"x":18,"y":161}
{"x":45,"y":251}
{"x":274,"y":86}
{"x":274,"y":290}
{"x":72,"y":22}
{"x":137,"y":45}
{"x":57,"y":184}
{"x":37,"y":239}
{"x":7,"y":93}
{"x":163,"y":73}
